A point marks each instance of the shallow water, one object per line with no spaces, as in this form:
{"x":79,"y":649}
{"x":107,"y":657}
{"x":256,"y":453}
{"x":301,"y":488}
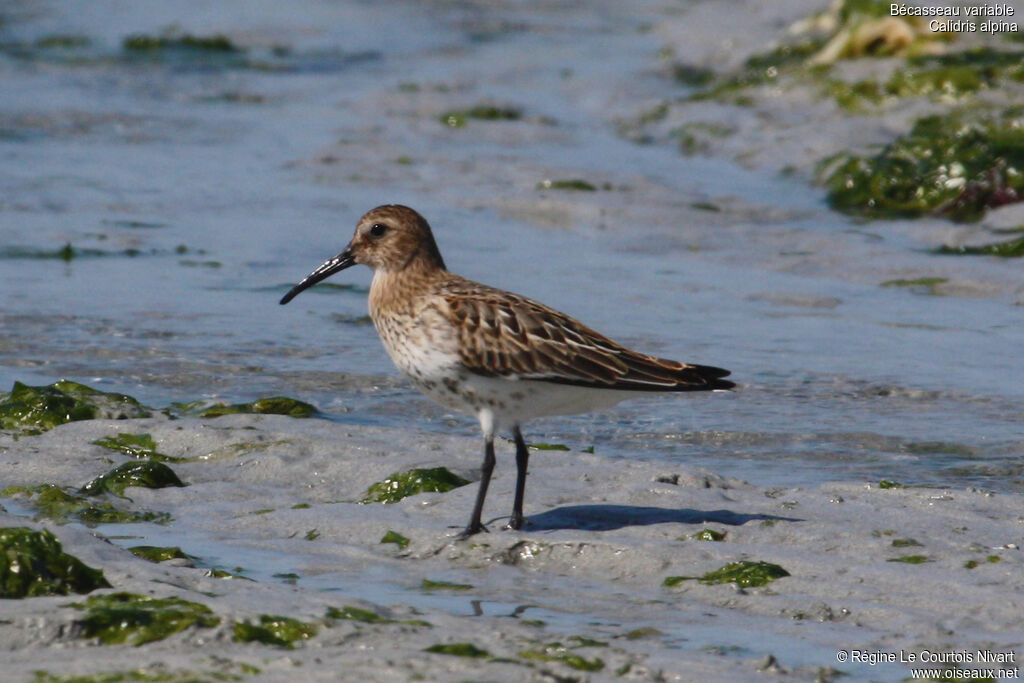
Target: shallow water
{"x":195,"y":188}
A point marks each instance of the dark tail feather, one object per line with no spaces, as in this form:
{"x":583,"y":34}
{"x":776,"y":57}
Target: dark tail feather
{"x":712,"y":376}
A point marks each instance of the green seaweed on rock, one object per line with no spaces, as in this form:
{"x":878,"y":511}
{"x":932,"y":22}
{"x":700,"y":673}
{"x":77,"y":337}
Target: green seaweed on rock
{"x":33,"y":563}
{"x":157,"y":673}
{"x":274,"y":630}
{"x":402,"y":484}
{"x":36,"y":409}
{"x":953,"y":165}
{"x":274,"y":405}
{"x":559,"y":652}
{"x":153,"y":553}
{"x":430,"y":585}
{"x":350,"y":613}
{"x":567,"y":184}
{"x":744,"y":573}
{"x":396,"y":538}
{"x":140,"y":619}
{"x":148,"y":474}
{"x":911,"y":559}
{"x":173,"y":40}
{"x":1010,"y":249}
{"x":458,"y":650}
{"x":458,"y":118}
{"x":135,"y":445}
{"x":64,"y":504}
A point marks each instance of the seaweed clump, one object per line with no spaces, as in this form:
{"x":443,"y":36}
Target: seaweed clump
{"x":745,"y":574}
{"x":140,"y":619}
{"x":951,"y":166}
{"x":34,"y":410}
{"x":402,"y":484}
{"x":172,"y":40}
{"x":274,"y":630}
{"x":33,"y":563}
{"x":274,"y":405}
{"x":148,"y":474}
{"x":63,"y":504}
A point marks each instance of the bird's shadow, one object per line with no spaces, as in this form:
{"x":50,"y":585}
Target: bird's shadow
{"x":609,"y":517}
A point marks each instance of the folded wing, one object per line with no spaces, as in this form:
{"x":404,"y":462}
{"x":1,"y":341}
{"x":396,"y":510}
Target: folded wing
{"x":503,"y":335}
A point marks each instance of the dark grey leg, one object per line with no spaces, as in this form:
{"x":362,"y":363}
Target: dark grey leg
{"x":522,"y":460}
{"x":475,"y":525}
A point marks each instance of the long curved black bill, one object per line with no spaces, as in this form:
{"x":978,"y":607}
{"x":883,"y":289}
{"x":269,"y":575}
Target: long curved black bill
{"x":329,"y":268}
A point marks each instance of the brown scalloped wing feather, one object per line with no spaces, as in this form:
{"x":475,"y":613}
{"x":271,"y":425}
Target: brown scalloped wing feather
{"x":502,"y":334}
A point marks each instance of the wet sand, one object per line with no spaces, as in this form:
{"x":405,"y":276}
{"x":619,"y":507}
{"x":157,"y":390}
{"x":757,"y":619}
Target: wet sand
{"x":587,"y":573}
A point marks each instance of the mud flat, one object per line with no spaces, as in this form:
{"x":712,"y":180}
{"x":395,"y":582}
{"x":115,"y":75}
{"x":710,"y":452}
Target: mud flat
{"x":628,"y":570}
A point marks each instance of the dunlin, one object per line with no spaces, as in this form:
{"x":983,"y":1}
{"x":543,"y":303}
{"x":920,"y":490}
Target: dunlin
{"x":484,"y":351}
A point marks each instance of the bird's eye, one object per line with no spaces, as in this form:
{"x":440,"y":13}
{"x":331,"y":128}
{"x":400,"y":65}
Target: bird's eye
{"x":378,"y":229}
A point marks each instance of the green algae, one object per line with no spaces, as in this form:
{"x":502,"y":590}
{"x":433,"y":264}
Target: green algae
{"x":688,"y":75}
{"x":643,"y":632}
{"x":567,"y":184}
{"x":429,"y":585}
{"x":148,"y":474}
{"x":953,"y":75}
{"x":857,"y":96}
{"x":745,"y":574}
{"x":911,"y":559}
{"x":696,"y":137}
{"x":558,"y":652}
{"x":991,"y":559}
{"x":954,"y":165}
{"x":214,"y":573}
{"x":62,"y":41}
{"x":287,"y":577}
{"x":458,"y":118}
{"x":33,"y":563}
{"x":274,"y":405}
{"x":154,"y":553}
{"x":708,"y":535}
{"x":312,"y":535}
{"x":36,"y":409}
{"x":458,"y":650}
{"x":274,"y":630}
{"x":757,"y":70}
{"x":920,"y":285}
{"x":140,"y":619}
{"x":135,"y":445}
{"x":65,"y":504}
{"x":172,"y":40}
{"x":350,"y":613}
{"x":541,"y":446}
{"x":889,"y":484}
{"x":66,"y":253}
{"x":396,"y":538}
{"x":949,"y":81}
{"x":154,"y":674}
{"x":1010,"y":249}
{"x":905,"y":543}
{"x":402,"y":484}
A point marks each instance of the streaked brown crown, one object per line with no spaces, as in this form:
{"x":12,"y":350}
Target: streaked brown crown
{"x":394,"y":237}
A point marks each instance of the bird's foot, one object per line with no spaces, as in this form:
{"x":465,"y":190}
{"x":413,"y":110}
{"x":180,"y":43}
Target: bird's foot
{"x":515,"y":523}
{"x":471,"y":530}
